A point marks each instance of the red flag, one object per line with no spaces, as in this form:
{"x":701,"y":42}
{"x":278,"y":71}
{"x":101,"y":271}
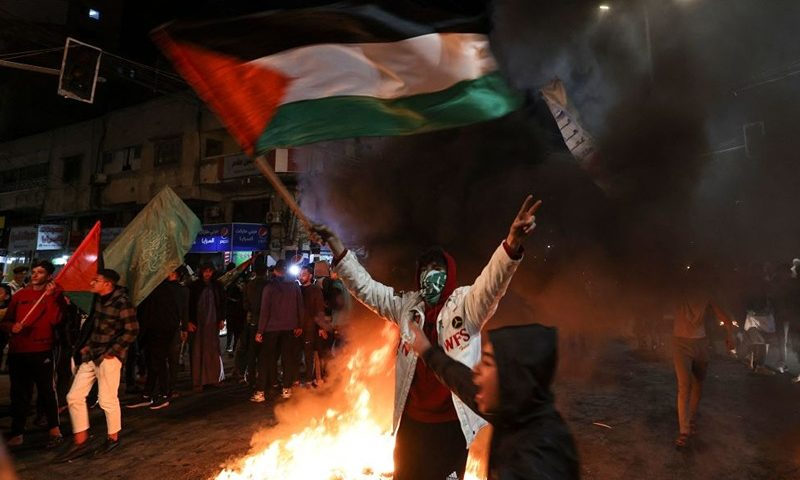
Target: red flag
{"x":76,"y":276}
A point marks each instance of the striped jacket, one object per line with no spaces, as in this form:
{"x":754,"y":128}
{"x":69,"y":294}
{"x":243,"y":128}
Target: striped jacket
{"x":115,"y":327}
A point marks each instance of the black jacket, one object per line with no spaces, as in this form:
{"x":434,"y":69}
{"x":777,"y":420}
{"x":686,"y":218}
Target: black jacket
{"x":166,"y":309}
{"x":530,"y":438}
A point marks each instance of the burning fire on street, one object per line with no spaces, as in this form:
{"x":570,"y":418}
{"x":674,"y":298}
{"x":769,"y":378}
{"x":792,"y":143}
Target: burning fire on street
{"x":352,"y":442}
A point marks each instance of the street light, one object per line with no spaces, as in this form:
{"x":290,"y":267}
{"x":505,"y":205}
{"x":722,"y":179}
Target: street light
{"x":605,"y":7}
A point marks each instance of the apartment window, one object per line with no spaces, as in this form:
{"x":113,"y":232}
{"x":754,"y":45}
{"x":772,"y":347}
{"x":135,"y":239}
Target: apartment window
{"x":21,"y":178}
{"x":72,"y":169}
{"x":167,"y":151}
{"x":214,"y":147}
{"x":122,"y":160}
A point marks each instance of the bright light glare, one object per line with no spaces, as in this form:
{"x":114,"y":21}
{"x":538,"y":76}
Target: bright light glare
{"x":604,"y":7}
{"x":294,"y":270}
{"x":62,"y":260}
{"x":94,"y":14}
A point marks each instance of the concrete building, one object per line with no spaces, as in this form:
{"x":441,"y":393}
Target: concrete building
{"x":110,"y":167}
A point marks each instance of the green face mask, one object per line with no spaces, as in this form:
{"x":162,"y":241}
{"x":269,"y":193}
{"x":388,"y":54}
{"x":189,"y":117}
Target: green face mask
{"x":432,"y":285}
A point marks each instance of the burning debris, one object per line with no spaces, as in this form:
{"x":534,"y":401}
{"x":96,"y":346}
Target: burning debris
{"x":351,"y":441}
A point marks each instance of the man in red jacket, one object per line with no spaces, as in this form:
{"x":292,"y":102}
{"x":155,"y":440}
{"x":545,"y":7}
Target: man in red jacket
{"x":31,"y":317}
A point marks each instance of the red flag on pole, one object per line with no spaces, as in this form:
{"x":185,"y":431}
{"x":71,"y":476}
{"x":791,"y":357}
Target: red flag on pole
{"x":76,"y":276}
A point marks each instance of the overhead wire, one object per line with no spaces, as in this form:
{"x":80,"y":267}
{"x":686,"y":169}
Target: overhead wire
{"x":28,"y":53}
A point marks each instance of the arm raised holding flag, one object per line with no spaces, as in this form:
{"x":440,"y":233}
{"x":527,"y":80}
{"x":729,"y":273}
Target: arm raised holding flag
{"x":451,"y":317}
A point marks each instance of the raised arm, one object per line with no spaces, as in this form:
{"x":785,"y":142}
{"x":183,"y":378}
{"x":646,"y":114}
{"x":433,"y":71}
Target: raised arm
{"x":376,"y":296}
{"x":453,"y":374}
{"x":490,"y":286}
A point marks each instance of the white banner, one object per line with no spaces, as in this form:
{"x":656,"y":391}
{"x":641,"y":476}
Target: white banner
{"x":51,"y":237}
{"x":578,"y":140}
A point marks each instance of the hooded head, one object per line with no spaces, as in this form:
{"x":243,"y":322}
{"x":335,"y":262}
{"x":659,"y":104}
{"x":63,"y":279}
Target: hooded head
{"x":515,"y":372}
{"x":436,"y":276}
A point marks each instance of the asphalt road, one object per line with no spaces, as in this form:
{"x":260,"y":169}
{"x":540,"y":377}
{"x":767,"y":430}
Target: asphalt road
{"x":748,"y":425}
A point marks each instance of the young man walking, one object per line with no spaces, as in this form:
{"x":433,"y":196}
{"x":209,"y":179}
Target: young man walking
{"x":101,"y":351}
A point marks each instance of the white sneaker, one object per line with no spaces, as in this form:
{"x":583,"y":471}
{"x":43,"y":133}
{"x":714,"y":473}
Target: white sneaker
{"x":257,"y":397}
{"x":782,"y":369}
{"x":286,"y":393}
{"x":796,"y":379}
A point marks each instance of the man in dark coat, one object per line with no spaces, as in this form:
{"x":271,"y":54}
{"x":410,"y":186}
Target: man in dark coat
{"x":510,"y":388}
{"x":315,"y":330}
{"x":247,"y":355}
{"x":163,"y":314}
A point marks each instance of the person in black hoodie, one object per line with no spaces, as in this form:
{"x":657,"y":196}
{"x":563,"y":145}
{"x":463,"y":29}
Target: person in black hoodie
{"x":510,"y":388}
{"x":163,"y":315}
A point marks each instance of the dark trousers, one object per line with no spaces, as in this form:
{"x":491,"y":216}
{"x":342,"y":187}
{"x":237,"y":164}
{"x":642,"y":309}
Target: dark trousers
{"x":234,"y":336}
{"x":25,"y":371}
{"x":308,"y":355}
{"x":429,"y":451}
{"x":313,"y":343}
{"x":247,"y":353}
{"x":281,"y":344}
{"x":3,"y":343}
{"x":174,"y":361}
{"x":157,"y":351}
{"x":63,"y":357}
{"x":134,"y":362}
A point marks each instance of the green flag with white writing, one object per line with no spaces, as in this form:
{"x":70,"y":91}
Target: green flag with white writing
{"x":153,"y":244}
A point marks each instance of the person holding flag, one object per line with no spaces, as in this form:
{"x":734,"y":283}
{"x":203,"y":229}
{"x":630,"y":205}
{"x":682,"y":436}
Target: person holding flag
{"x":433,"y":427}
{"x":30,"y":320}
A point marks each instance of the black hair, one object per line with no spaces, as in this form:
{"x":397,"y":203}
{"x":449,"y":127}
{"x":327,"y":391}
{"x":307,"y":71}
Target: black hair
{"x":108,"y":274}
{"x":47,"y":265}
{"x":309,"y":268}
{"x":7,"y":288}
{"x":432,"y":254}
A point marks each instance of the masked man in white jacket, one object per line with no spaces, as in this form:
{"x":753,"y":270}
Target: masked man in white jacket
{"x":433,"y":427}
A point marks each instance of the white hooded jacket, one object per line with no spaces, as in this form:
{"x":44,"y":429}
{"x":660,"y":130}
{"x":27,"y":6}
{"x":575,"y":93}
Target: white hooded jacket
{"x":459,"y":323}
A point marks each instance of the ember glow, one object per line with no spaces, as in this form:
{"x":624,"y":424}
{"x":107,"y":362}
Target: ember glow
{"x":349,"y":443}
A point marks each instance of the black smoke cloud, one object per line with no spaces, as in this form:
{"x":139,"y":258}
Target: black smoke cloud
{"x":594,"y":258}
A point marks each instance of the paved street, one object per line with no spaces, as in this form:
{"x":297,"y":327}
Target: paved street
{"x":748,"y":427}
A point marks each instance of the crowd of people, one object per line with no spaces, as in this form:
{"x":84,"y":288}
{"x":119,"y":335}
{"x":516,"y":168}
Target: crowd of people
{"x":282,"y":328}
{"x":280,"y":332}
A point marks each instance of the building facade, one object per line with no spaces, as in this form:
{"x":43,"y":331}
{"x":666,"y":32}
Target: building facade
{"x":108,"y":168}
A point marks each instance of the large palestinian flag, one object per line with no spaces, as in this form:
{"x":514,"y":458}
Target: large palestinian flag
{"x":291,"y":77}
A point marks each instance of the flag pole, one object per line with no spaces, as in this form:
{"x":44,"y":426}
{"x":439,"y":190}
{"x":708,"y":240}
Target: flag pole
{"x":266,"y":169}
{"x":33,"y":308}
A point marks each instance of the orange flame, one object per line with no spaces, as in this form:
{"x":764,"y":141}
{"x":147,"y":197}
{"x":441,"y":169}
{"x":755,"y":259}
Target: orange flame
{"x":351,"y":443}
